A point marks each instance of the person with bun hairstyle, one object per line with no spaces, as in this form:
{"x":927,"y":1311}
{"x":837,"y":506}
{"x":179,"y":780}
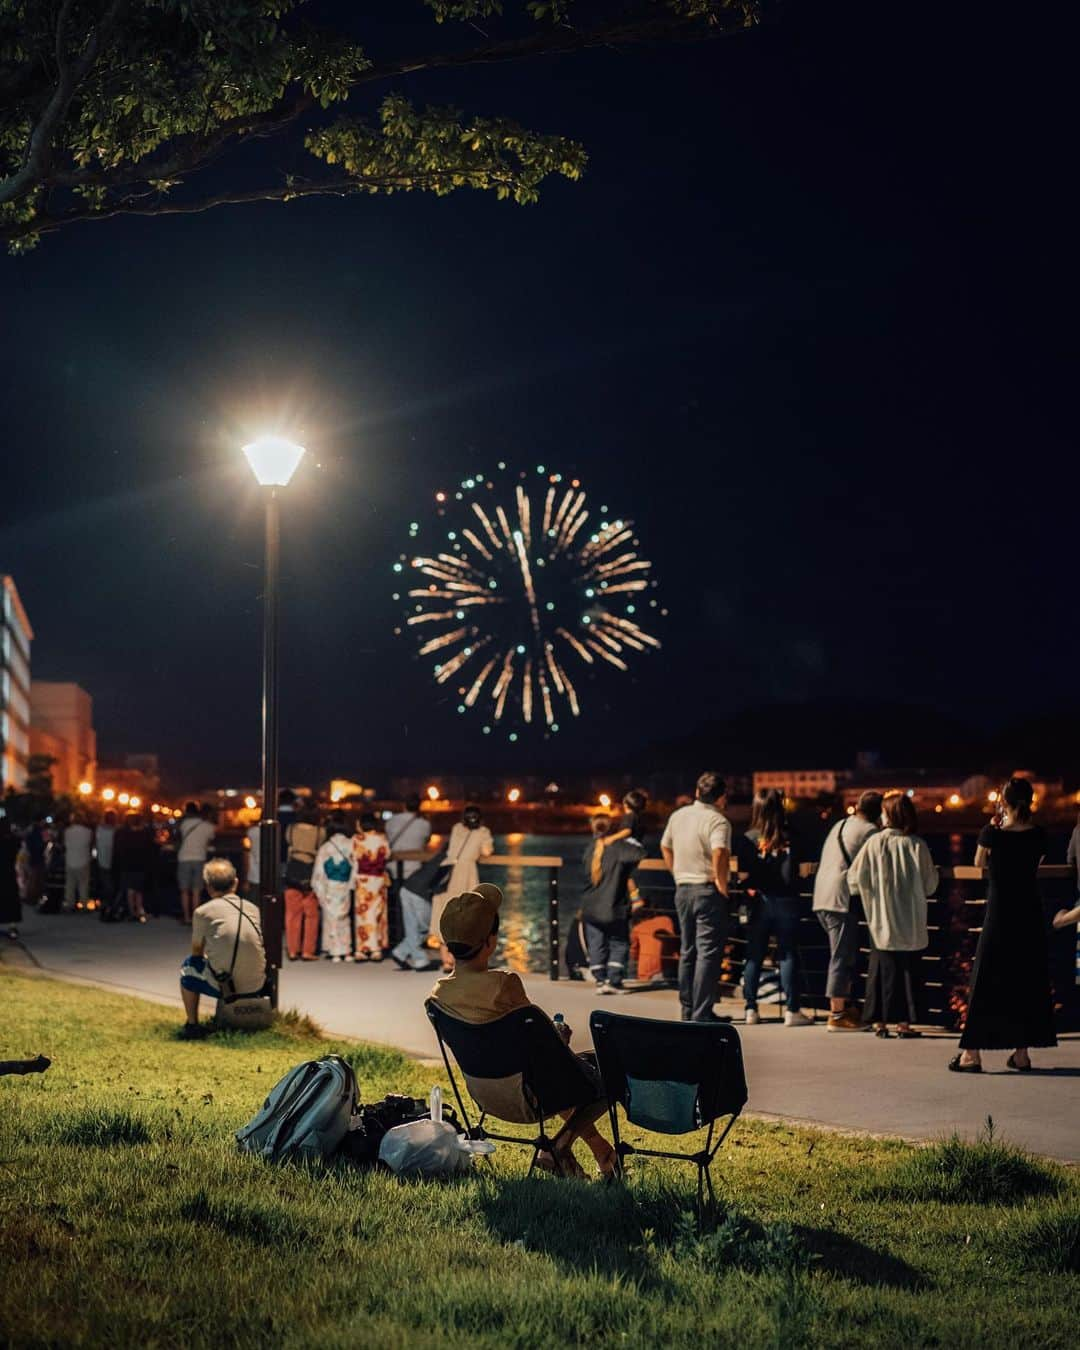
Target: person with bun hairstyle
{"x":470,"y":841}
{"x":894,"y":874}
{"x":1010,"y":1005}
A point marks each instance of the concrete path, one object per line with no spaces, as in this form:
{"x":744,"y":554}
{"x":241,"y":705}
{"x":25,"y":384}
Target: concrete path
{"x":849,"y":1081}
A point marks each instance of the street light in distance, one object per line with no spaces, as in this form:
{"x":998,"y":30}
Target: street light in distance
{"x":273,"y":461}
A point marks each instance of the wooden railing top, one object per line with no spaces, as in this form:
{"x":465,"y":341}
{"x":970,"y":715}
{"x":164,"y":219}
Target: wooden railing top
{"x":962,"y":872}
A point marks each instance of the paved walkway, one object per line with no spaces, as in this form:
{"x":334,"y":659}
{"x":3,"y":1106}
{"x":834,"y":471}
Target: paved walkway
{"x":853,"y":1081}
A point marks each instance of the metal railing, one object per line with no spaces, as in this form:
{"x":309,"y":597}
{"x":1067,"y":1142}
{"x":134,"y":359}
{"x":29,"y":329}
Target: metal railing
{"x":954,"y":922}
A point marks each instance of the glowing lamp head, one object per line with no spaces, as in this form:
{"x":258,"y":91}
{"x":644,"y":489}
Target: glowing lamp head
{"x":123,"y":799}
{"x":604,"y":800}
{"x":273,"y":460}
{"x":954,"y":799}
{"x":135,"y":802}
{"x":108,"y":795}
{"x":433,"y":793}
{"x":85,"y":789}
{"x":514,"y":795}
{"x":250,"y":803}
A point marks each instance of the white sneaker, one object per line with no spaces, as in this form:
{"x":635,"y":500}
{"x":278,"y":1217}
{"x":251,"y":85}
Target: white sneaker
{"x":797,"y":1019}
{"x":752,"y":1018}
{"x":604,"y":988}
{"x":337,"y":960}
{"x":617,"y":989}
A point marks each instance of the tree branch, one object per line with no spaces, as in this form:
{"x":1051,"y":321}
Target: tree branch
{"x":39,"y":147}
{"x":191,"y":152}
{"x":345,"y":186}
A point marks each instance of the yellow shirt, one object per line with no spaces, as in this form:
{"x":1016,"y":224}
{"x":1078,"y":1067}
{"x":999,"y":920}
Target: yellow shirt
{"x":480,"y":995}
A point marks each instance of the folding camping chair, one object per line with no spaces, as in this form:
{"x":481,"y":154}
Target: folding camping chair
{"x":671,"y":1078}
{"x":516,"y":1069}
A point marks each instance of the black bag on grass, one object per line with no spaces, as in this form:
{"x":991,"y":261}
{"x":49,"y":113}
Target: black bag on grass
{"x":361,"y":1145}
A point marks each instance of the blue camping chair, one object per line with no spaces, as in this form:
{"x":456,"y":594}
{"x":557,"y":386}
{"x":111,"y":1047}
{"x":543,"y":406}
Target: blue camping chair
{"x":516,"y":1068}
{"x":671,"y":1078}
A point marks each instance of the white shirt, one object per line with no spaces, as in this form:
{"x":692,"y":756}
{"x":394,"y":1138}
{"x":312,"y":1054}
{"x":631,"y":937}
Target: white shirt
{"x":831,"y":883}
{"x":894,"y":873}
{"x":103,"y":844}
{"x":196,"y":836}
{"x":408,"y":832}
{"x":692,"y":833}
{"x":77,"y":842}
{"x":253,"y":855}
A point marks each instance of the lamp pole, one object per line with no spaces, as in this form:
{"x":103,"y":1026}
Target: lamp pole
{"x":273,"y":462}
{"x":270,"y":904}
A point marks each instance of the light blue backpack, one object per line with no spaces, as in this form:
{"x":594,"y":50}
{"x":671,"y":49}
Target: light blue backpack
{"x":306,"y":1115}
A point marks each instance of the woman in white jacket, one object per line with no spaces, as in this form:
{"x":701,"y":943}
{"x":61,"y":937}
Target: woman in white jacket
{"x":894,"y":874}
{"x":332,"y":879}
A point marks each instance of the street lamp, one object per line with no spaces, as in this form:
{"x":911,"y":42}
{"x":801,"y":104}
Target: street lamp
{"x":273,"y":462}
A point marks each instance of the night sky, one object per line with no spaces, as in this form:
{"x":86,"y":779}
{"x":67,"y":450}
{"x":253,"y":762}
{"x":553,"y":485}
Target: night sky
{"x":809,"y":320}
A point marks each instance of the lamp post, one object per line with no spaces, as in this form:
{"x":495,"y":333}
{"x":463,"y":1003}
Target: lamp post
{"x":273,"y":462}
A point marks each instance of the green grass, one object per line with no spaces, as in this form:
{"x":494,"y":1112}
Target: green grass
{"x":128,"y":1218}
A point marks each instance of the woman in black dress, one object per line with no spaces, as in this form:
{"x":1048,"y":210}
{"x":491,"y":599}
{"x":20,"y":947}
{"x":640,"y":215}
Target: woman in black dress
{"x":1010,"y":1006}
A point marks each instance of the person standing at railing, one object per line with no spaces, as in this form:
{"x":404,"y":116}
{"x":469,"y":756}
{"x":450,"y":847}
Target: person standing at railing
{"x":894,"y":874}
{"x":606,"y":901}
{"x":768,"y":856}
{"x":832,"y":905}
{"x":1010,"y":1004}
{"x":470,"y":841}
{"x":408,"y":832}
{"x":697,"y":849}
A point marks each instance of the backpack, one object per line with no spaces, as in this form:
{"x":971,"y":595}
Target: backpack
{"x":306,"y":1115}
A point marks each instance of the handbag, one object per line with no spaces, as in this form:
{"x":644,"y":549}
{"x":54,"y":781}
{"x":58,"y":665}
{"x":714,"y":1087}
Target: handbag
{"x":252,"y":1011}
{"x":298,"y":866}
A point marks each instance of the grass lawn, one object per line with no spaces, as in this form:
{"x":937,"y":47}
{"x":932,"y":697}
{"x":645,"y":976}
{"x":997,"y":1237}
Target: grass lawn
{"x":128,"y":1218}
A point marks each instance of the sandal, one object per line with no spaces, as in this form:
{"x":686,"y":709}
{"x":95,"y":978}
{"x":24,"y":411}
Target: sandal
{"x":1019,"y":1068}
{"x":571,"y":1168}
{"x":883,"y":1034}
{"x":956,"y":1067}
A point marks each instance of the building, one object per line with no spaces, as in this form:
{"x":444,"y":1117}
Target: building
{"x":796,"y":783}
{"x":62,"y":727}
{"x":15,"y":638}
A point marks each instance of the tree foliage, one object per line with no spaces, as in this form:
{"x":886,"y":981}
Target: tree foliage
{"x":152,"y":107}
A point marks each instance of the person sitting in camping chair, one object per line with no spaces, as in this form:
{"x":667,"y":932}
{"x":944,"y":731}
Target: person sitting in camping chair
{"x":478,"y":994}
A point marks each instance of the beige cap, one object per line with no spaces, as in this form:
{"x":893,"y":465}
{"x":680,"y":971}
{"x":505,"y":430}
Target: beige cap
{"x":469,"y":918}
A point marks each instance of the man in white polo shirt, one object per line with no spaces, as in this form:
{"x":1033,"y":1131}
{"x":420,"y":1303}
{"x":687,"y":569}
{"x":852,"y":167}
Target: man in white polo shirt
{"x":697,"y":849}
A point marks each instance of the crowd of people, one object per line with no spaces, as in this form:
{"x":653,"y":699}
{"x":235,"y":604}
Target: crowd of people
{"x":873,"y":867}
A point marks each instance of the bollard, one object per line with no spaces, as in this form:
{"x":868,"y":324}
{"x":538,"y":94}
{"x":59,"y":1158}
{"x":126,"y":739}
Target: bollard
{"x":553,"y":917}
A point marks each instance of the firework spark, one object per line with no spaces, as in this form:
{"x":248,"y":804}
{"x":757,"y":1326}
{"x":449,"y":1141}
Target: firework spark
{"x":518,"y":588}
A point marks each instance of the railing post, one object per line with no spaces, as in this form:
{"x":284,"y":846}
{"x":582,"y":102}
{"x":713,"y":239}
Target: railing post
{"x":553,"y":918}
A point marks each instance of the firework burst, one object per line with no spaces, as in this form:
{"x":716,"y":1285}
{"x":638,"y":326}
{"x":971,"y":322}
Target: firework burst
{"x":520,"y":599}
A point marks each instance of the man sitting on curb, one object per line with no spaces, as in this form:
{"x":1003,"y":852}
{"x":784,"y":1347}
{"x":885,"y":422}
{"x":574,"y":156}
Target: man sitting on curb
{"x":474,"y":993}
{"x":226,"y":946}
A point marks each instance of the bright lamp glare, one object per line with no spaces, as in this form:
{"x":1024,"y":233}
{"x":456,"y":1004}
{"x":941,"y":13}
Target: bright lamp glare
{"x":273,"y":460}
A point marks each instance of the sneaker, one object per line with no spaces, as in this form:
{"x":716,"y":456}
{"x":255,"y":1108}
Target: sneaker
{"x":194,"y":1031}
{"x":848,"y":1020}
{"x":604,"y":989}
{"x":617,"y":989}
{"x":752,"y":1017}
{"x":337,"y":960}
{"x":797,"y":1019}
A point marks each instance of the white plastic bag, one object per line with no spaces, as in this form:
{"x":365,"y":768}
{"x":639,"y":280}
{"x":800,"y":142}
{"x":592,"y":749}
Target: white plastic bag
{"x":426,"y":1148}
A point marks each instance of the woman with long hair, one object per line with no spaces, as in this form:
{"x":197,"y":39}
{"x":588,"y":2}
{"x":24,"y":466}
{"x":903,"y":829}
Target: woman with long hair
{"x":470,"y":840}
{"x":372,"y":851}
{"x":770,"y":861}
{"x":895,"y":875}
{"x":1010,"y":1005}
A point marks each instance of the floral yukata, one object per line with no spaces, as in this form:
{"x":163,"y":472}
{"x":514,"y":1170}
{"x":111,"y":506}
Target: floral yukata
{"x":371,"y":852}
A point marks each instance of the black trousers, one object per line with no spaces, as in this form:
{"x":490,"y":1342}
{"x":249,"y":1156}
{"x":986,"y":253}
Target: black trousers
{"x":893,"y":987}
